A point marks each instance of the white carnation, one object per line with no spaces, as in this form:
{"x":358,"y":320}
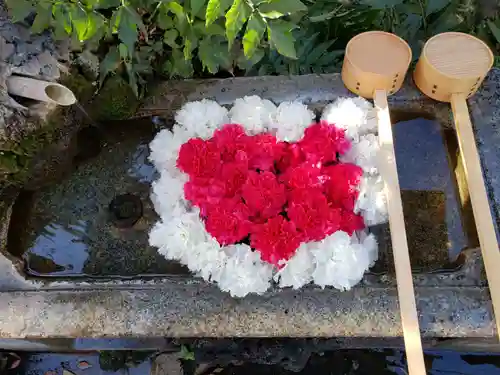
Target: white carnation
{"x":341,"y":260}
{"x":244,"y":272}
{"x":253,"y":113}
{"x":165,"y":148}
{"x":356,"y":115}
{"x":298,"y":269}
{"x":364,"y":153}
{"x":168,"y":194}
{"x":202,"y":118}
{"x":292,"y":118}
{"x":372,"y":202}
{"x":177,"y":237}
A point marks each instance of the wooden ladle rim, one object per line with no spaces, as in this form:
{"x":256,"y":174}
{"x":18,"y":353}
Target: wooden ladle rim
{"x":347,"y":56}
{"x":426,"y":45}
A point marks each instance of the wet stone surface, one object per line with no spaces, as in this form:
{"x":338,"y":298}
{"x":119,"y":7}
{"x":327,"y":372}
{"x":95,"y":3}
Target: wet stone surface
{"x":82,"y":224}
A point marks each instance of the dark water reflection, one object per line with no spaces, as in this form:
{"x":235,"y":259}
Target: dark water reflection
{"x":340,"y":362}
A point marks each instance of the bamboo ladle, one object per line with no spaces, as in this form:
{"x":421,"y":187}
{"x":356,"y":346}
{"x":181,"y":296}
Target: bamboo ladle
{"x":375,"y":65}
{"x":451,"y":68}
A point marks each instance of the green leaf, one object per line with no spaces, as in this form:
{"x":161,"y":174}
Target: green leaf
{"x":186,"y":354}
{"x":95,"y":25}
{"x":280,"y":34}
{"x":110,"y":63}
{"x":196,"y":6}
{"x":165,"y":20}
{"x":236,"y":18}
{"x":127,"y":28}
{"x":123,"y":51}
{"x":215,"y":9}
{"x":247,"y":63}
{"x":214,"y":54}
{"x":181,"y":17}
{"x":132,"y":79}
{"x":434,"y":6}
{"x":279,"y":8}
{"x":79,"y":20}
{"x":170,"y":37}
{"x":107,"y":4}
{"x":177,"y":66}
{"x":253,"y":34}
{"x":62,"y":18}
{"x":324,"y":16}
{"x":382,"y":4}
{"x":19,"y":9}
{"x":495,"y":30}
{"x":42,"y":19}
{"x":213,"y":29}
{"x":207,"y":57}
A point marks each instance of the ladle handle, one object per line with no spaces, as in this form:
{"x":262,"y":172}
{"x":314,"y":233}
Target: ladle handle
{"x":406,"y":294}
{"x":479,"y":200}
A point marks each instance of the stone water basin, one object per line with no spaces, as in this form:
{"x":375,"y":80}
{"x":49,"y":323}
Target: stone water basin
{"x":70,"y":229}
{"x":74,"y":256}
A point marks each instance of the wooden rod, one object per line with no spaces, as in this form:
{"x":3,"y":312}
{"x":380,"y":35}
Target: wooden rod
{"x":406,"y":293}
{"x":479,"y":199}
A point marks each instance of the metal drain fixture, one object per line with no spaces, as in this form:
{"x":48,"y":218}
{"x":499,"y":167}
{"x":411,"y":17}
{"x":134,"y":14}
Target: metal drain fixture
{"x":125,"y":210}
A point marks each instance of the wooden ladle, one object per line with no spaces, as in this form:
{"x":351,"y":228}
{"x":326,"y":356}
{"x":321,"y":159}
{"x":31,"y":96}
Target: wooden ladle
{"x":451,"y":69}
{"x":375,"y":65}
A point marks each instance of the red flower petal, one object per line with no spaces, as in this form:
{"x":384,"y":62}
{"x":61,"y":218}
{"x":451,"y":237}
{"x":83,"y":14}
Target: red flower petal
{"x":228,"y":222}
{"x":308,"y":209}
{"x":342,"y":182}
{"x":277,"y":239}
{"x":322,"y":142}
{"x":199,"y":158}
{"x":263,"y":194}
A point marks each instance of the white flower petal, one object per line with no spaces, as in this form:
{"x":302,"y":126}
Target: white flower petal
{"x":355,"y":115}
{"x":202,"y":118}
{"x":256,"y":115}
{"x":298,"y":270}
{"x":292,"y":118}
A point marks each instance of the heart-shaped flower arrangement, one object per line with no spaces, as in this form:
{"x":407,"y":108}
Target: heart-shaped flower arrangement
{"x":263,"y":192}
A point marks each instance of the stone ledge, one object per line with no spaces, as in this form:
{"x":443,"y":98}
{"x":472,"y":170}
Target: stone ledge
{"x":201,"y":310}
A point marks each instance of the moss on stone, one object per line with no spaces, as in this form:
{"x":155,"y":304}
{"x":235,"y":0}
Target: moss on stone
{"x":81,"y":87}
{"x":115,"y":101}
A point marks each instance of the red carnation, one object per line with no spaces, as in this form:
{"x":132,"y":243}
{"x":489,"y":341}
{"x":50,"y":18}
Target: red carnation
{"x":342,"y":182}
{"x":263,"y":194}
{"x":277,"y":239}
{"x":303,"y":176}
{"x":231,"y":139}
{"x":322,"y":142}
{"x":264,"y":150}
{"x":234,"y":175}
{"x":199,"y":158}
{"x":204,"y":192}
{"x":308,"y":209}
{"x":291,"y":156}
{"x":228,"y":221}
{"x":351,"y":222}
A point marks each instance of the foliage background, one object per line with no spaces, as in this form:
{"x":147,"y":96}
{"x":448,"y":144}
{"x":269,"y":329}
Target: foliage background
{"x":140,"y":39}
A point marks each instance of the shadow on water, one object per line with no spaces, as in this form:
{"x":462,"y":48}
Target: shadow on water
{"x":437,"y":225}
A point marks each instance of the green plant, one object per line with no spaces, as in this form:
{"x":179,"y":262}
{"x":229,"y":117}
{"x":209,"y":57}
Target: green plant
{"x":329,"y":24}
{"x":137,"y":37}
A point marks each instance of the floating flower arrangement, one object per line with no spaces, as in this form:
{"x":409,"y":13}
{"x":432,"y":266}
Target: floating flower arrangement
{"x":262,"y":193}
